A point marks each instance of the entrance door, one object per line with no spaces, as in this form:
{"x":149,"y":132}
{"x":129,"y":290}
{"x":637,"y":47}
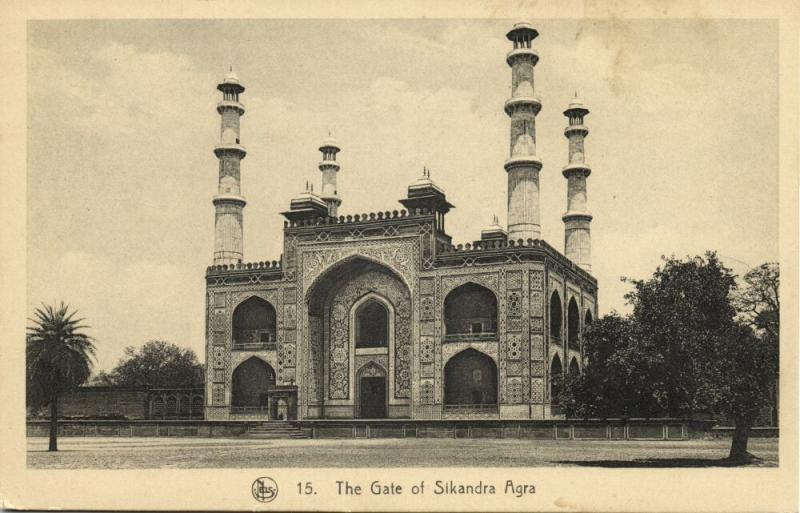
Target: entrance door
{"x":373,"y":398}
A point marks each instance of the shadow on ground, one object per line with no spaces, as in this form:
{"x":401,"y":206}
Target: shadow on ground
{"x":663,"y":463}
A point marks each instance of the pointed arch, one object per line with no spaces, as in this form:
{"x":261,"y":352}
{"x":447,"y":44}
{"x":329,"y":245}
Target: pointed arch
{"x":587,"y":319}
{"x":470,"y":311}
{"x":254,"y":323}
{"x":249,"y":383}
{"x":574,"y":366}
{"x":573,"y":324}
{"x":470,"y":379}
{"x":372,"y":320}
{"x":556,"y":317}
{"x":556,"y":375}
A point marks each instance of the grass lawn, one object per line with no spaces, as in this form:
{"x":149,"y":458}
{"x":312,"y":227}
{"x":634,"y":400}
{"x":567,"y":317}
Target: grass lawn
{"x":114,"y":452}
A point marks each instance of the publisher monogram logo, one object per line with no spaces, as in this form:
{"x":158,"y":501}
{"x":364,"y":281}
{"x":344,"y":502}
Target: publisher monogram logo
{"x":265,"y":489}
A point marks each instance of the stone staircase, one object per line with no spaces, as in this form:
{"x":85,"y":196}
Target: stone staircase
{"x":274,"y":429}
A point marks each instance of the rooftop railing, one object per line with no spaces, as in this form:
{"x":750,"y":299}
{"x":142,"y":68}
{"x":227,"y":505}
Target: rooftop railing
{"x":359,"y":218}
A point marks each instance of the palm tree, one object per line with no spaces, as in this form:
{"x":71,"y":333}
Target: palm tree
{"x":58,"y":359}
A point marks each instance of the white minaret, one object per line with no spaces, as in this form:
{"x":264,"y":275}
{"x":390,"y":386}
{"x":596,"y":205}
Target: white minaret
{"x":577,"y":219}
{"x":330,"y":168}
{"x":229,"y":202}
{"x":523,"y":165}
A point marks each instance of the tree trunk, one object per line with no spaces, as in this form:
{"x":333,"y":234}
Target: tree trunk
{"x":53,"y":425}
{"x":741,"y":433}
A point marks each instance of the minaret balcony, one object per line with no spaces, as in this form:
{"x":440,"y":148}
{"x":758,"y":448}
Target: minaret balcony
{"x":329,"y":164}
{"x":512,"y":104}
{"x":579,"y":129}
{"x":518,"y":54}
{"x":524,"y":161}
{"x":576,"y":168}
{"x":576,"y":216}
{"x":230,"y":104}
{"x":234,"y":199}
{"x":227,"y":148}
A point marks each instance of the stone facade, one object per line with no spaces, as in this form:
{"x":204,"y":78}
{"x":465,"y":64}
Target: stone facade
{"x":332,"y":264}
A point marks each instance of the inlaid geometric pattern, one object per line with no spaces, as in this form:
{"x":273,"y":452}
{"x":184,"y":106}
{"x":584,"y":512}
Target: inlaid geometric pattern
{"x":426,"y":347}
{"x":537,"y":347}
{"x":514,"y":390}
{"x":537,"y":304}
{"x":218,"y":394}
{"x":514,"y":303}
{"x":537,"y":390}
{"x":537,"y":325}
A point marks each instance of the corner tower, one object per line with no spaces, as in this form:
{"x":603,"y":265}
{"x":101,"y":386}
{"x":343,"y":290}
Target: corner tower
{"x":523,"y":165}
{"x":577,"y":219}
{"x":330,"y":168}
{"x":228,"y":202}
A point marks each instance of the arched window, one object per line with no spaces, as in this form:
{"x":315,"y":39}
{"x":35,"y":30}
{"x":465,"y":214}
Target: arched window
{"x":556,"y":314}
{"x":573,"y":324}
{"x":372,"y":325}
{"x":556,"y":373}
{"x":172,"y":406}
{"x":250,"y":382}
{"x":574,"y":368}
{"x":470,"y":311}
{"x":197,"y":406}
{"x":470,"y":379}
{"x":588,"y":319}
{"x":253,"y":324}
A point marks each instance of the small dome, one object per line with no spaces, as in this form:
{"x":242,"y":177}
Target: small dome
{"x":329,"y":142}
{"x":576,"y":103}
{"x":230,"y":77}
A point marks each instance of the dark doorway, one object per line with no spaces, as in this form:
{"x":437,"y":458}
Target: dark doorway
{"x":373,"y":398}
{"x":250,"y":383}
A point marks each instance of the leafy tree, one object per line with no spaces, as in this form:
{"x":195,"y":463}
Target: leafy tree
{"x":758,"y":302}
{"x":615,"y":381}
{"x":58,"y":359}
{"x":157,"y":364}
{"x":682,"y":351}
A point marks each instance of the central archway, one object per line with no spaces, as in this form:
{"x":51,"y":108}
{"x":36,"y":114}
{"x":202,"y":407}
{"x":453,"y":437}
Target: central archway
{"x":249,"y":385}
{"x":470,"y":381}
{"x":358,"y":309}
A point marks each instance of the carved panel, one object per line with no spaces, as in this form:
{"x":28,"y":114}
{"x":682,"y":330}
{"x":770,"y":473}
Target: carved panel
{"x":514,"y":303}
{"x":218,"y":394}
{"x":426,"y":347}
{"x":537,"y":304}
{"x":537,"y":347}
{"x":514,"y":279}
{"x":537,"y":390}
{"x":537,"y":280}
{"x":537,"y":325}
{"x":514,"y":390}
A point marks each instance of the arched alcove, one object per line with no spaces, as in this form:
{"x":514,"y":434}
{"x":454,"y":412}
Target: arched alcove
{"x":556,"y":375}
{"x":254,"y":323}
{"x":372,"y":325}
{"x":574,"y":367}
{"x":556,"y":315}
{"x":470,"y":380}
{"x":470,"y":311}
{"x":250,"y":382}
{"x":573,"y":324}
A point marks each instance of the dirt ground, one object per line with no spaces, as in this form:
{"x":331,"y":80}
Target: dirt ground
{"x":112,"y":452}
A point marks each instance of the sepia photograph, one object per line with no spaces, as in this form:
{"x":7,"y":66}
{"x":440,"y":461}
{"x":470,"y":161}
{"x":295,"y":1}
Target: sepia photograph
{"x":422,"y":261}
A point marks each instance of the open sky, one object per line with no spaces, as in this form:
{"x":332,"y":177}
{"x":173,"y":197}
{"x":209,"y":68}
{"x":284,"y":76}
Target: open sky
{"x":683,"y":145}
